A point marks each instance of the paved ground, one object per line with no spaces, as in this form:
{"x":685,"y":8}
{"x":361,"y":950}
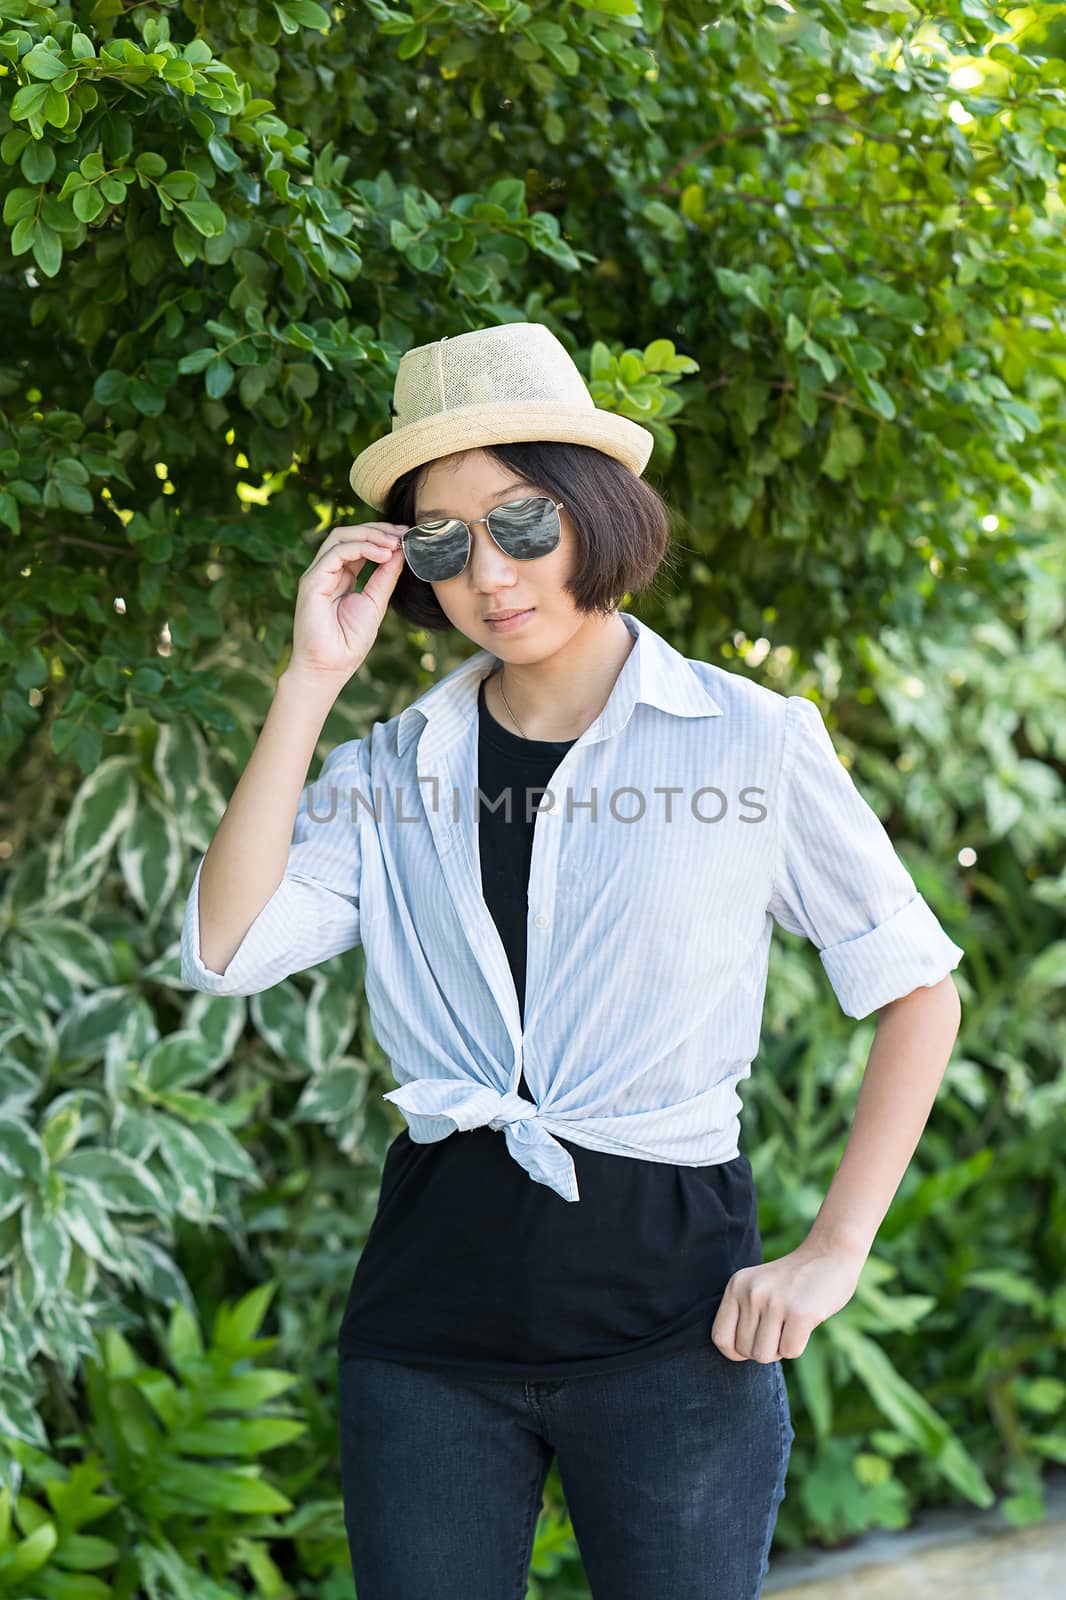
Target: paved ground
{"x":956,"y":1555}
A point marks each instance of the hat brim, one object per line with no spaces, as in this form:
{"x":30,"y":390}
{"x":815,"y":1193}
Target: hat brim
{"x":375,"y":469}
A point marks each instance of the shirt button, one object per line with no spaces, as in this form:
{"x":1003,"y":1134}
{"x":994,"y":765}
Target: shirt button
{"x":541,"y":920}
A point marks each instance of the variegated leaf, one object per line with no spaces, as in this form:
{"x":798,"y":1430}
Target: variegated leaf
{"x":226,"y":1153}
{"x":177,"y":1061}
{"x":331,"y":1094}
{"x":151,"y":856}
{"x":124,"y":1184}
{"x":61,"y":1130}
{"x":190,"y":1168}
{"x":84,"y":1031}
{"x":65,"y":1327}
{"x":178,"y":761}
{"x":201,"y":817}
{"x":100,"y":813}
{"x":47,"y":1247}
{"x":156,"y":1273}
{"x":22,"y":1010}
{"x":218,"y":1021}
{"x":71,"y":948}
{"x":21,"y":1151}
{"x":13,"y":1189}
{"x":85,"y":1218}
{"x":19,"y":1087}
{"x":278,"y":1014}
{"x":134,"y":1132}
{"x":330,"y":1022}
{"x":18,"y":1415}
{"x":129,"y":1044}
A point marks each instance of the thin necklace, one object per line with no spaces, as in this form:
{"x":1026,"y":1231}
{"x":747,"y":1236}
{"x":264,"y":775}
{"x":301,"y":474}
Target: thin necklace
{"x":515,"y":720}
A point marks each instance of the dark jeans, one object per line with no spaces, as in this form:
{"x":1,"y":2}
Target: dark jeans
{"x":673,"y":1473}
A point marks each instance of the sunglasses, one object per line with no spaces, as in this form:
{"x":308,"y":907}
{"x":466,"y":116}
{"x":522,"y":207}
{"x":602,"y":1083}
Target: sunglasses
{"x":523,"y":529}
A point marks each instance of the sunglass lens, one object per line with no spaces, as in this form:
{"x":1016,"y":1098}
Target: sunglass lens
{"x":526,"y":529}
{"x":436,"y":551}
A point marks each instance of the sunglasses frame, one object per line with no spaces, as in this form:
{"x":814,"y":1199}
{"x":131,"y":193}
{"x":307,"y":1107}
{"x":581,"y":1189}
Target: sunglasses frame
{"x":557,"y":505}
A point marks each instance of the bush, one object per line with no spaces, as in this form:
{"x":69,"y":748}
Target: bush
{"x":822,"y":264}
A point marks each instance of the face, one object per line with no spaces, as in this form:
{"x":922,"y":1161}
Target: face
{"x":469,"y":485}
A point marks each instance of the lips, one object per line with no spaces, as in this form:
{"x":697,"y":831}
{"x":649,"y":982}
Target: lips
{"x":502,"y":616}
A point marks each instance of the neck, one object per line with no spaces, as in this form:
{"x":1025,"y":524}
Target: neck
{"x":560,"y":697}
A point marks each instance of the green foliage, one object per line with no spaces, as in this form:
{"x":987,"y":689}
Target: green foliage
{"x":817,"y":251}
{"x":193,"y":1503}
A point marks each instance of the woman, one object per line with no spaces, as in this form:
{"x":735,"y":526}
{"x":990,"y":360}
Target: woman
{"x":563,"y":862}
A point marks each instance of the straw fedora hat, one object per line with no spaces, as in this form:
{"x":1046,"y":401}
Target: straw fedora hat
{"x":491,"y":386}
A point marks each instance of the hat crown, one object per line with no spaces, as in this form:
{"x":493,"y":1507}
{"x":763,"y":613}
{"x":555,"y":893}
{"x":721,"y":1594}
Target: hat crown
{"x":510,"y":365}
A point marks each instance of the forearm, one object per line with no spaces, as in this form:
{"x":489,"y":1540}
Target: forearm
{"x":246,"y":859}
{"x":908,"y":1058}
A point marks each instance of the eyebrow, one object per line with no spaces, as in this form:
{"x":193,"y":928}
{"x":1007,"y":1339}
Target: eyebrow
{"x":435,"y":511}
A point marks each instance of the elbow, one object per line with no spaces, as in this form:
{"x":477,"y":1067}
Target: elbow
{"x":198,"y":975}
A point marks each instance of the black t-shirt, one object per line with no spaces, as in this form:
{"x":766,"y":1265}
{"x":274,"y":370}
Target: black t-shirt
{"x":473,"y":1266}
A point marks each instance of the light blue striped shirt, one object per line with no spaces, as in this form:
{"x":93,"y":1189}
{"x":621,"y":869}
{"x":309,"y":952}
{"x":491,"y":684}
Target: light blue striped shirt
{"x":697,"y":810}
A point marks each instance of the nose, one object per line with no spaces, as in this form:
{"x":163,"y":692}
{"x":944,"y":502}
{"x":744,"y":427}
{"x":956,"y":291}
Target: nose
{"x":490,"y":567}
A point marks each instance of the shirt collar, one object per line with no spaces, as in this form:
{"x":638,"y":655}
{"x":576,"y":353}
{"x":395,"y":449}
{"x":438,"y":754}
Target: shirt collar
{"x":653,"y":672}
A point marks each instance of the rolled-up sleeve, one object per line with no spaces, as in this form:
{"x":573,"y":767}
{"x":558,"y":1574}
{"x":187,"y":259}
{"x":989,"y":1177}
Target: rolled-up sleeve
{"x":313,"y":914}
{"x":839,"y":881}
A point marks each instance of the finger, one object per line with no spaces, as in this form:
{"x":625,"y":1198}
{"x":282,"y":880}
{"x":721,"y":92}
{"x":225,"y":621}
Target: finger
{"x":768,"y":1344}
{"x":380,"y":584}
{"x":371,"y":536}
{"x":388,"y":533}
{"x":724,"y":1330}
{"x":793,"y":1340}
{"x":349,"y":552}
{"x":359,"y":530}
{"x":747,"y":1329}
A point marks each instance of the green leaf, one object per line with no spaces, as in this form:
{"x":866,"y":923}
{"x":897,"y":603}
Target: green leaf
{"x":812,"y":1375}
{"x":184,"y":1341}
{"x":666,"y":220}
{"x":110,"y":386}
{"x":28,"y":101}
{"x":237,"y":1436}
{"x":126,"y":1185}
{"x":295,"y":14}
{"x":150,"y":164}
{"x":21,"y":1151}
{"x":177,"y":1061}
{"x":237,"y":1326}
{"x":910,"y":1413}
{"x":241,"y":1391}
{"x":331,"y":1094}
{"x":40,"y":62}
{"x":205,"y":216}
{"x":47,"y":249}
{"x":197,"y":360}
{"x":1013,"y":1287}
{"x":658,"y":354}
{"x":613,"y":8}
{"x":510,"y":193}
{"x":412,"y":42}
{"x":565,"y":58}
{"x":219,"y":377}
{"x":46,"y":1245}
{"x":31,"y":1554}
{"x":38,"y":162}
{"x":88,"y":204}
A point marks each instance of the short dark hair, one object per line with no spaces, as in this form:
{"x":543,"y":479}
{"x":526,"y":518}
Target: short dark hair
{"x":622,"y":525}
